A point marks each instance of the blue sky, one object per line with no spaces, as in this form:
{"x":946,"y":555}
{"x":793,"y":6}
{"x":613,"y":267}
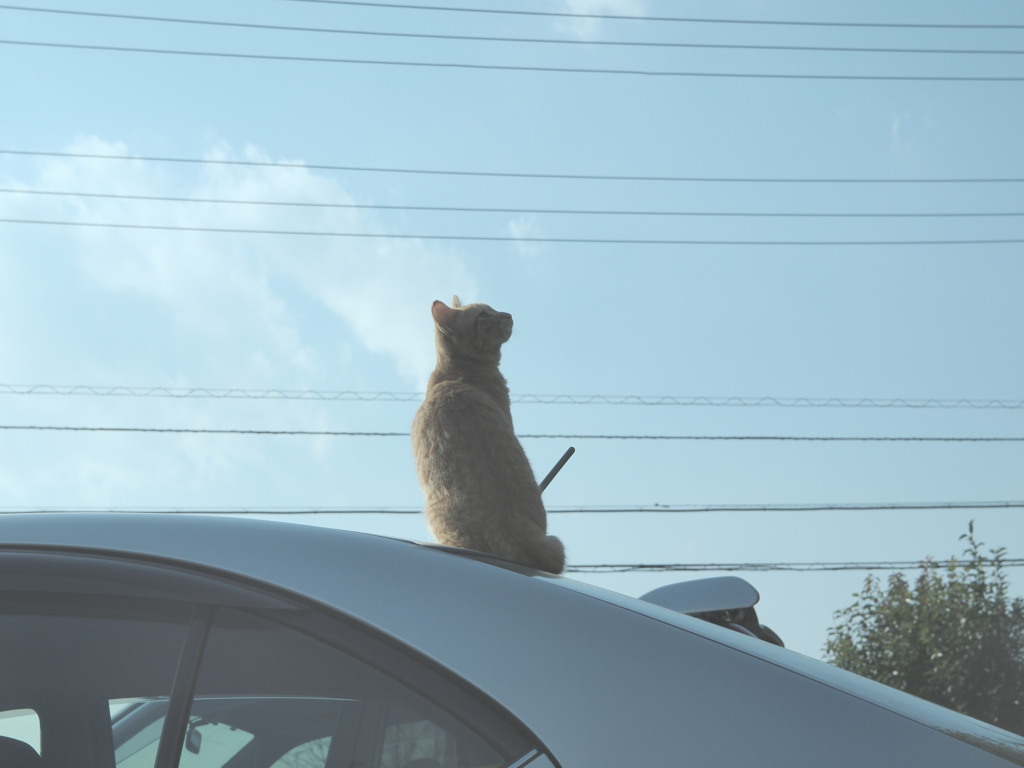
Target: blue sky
{"x":767,"y":315}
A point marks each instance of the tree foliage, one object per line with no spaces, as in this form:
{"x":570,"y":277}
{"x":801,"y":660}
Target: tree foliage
{"x":953,"y":637}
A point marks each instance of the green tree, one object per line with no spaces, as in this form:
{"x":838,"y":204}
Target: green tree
{"x":953,"y":637}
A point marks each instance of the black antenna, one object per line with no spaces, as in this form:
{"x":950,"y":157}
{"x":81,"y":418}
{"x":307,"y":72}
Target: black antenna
{"x":555,"y":469}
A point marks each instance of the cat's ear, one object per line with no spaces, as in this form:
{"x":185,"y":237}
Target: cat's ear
{"x":444,"y":315}
{"x":455,"y":302}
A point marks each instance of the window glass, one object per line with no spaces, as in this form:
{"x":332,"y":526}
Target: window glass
{"x":408,"y":739}
{"x":21,"y":724}
{"x":66,"y":657}
{"x":300,"y":702}
{"x":211,"y":743}
{"x":135,"y":747}
{"x":137,"y":734}
{"x":312,"y":754}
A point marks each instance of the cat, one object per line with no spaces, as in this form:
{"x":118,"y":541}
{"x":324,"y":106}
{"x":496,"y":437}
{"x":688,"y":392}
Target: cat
{"x":480,"y":491}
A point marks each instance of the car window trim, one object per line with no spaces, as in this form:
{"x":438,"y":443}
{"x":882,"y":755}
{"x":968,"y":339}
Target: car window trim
{"x":83,"y":571}
{"x":179,"y":706}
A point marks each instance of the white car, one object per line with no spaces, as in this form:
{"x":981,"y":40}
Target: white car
{"x":151,"y":641}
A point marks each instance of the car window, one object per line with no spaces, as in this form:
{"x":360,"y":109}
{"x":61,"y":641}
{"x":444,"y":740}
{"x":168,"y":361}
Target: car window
{"x":137,"y":732}
{"x":65,"y":658}
{"x":136,"y":748}
{"x":410,"y":739}
{"x":297,"y":701}
{"x":100,"y":661}
{"x":21,"y":725}
{"x":312,"y":754}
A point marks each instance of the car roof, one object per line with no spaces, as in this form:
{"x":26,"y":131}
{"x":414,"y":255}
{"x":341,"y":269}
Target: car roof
{"x":462,"y":608}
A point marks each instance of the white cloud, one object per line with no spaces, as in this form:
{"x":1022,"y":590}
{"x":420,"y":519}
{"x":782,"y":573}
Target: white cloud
{"x":384,"y":292}
{"x":524,"y":228}
{"x":244,"y":293}
{"x":586,"y":28}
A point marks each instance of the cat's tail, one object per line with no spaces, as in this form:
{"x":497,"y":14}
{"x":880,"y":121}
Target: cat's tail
{"x":549,"y":555}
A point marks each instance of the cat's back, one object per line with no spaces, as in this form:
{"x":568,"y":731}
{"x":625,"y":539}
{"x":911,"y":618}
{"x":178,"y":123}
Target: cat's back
{"x":454,"y":405}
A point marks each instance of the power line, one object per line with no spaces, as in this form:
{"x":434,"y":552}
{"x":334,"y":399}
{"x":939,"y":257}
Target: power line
{"x":201,"y":431}
{"x":519,"y":40}
{"x":669,"y":509}
{"x":629,"y":510}
{"x":782,"y":402}
{"x":880,"y":565}
{"x":513,"y":174}
{"x":786,"y":438}
{"x":451,"y":65}
{"x":199,"y":392}
{"x":664,"y":438}
{"x":688,"y":20}
{"x":508,"y":238}
{"x":545,"y":211}
{"x":236,"y":393}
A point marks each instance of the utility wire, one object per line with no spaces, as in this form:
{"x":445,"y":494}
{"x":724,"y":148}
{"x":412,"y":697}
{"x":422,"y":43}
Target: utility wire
{"x":783,"y":402}
{"x":687,"y":509}
{"x":688,"y":20}
{"x":538,"y":399}
{"x":545,"y":211}
{"x":630,"y":510}
{"x":520,"y":40}
{"x":451,"y":65}
{"x":666,"y":438}
{"x":517,"y":174}
{"x":787,"y":438}
{"x":511,"y":238}
{"x":880,"y":565}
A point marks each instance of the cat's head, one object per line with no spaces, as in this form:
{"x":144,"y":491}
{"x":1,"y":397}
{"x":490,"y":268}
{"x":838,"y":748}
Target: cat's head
{"x":473,"y":330}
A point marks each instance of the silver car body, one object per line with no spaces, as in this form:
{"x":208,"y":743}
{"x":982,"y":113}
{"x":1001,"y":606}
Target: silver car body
{"x":599,"y":678}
